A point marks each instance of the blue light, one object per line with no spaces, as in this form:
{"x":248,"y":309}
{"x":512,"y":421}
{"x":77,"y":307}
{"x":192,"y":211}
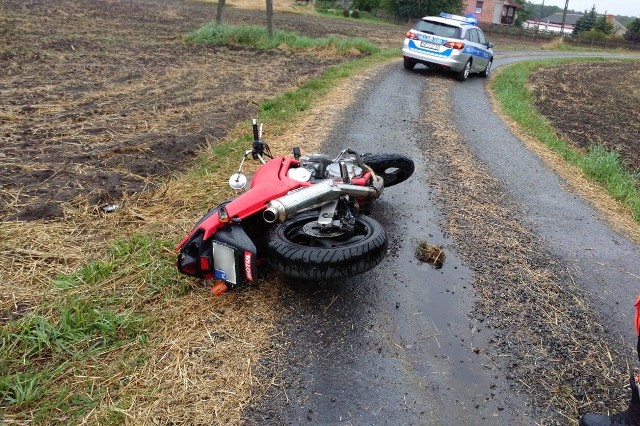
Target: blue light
{"x":467,"y":19}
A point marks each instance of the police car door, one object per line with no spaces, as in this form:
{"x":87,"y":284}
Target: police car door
{"x":483,"y":46}
{"x":477,"y":50}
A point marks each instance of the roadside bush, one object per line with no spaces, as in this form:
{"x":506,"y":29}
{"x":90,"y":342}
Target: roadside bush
{"x":633,"y":32}
{"x":594,"y":34}
{"x":345,"y":13}
{"x":257,"y":37}
{"x":355,"y":13}
{"x":368,"y":5}
{"x":324,"y":5}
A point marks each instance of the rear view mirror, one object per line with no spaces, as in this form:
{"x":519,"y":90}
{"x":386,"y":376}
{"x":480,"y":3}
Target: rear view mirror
{"x":490,"y":44}
{"x":237,"y":181}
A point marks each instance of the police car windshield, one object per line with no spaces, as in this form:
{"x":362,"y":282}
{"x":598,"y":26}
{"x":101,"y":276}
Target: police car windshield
{"x":438,"y":29}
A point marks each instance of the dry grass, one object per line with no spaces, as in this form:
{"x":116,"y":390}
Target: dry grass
{"x":553,"y":44}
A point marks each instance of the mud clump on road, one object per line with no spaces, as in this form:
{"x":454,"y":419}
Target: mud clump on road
{"x":431,"y":254}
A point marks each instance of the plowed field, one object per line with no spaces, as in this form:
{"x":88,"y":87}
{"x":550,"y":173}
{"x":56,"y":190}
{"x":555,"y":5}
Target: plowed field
{"x":101,"y":98}
{"x":593,"y":103}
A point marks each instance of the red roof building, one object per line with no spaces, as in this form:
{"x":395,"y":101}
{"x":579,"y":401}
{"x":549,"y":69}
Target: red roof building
{"x":501,"y":12}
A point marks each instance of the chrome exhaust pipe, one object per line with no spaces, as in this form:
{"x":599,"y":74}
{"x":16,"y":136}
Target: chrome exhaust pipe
{"x":313,"y":196}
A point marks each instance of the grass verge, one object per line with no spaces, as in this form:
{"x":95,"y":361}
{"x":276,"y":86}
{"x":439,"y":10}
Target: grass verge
{"x":123,"y":337}
{"x":258,"y":37}
{"x":598,"y":163}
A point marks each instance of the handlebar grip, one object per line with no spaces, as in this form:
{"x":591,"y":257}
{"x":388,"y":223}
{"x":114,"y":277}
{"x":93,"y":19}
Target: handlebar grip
{"x":256,"y":136}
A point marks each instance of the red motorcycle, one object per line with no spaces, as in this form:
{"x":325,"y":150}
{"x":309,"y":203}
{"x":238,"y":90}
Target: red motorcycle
{"x":304,"y":216}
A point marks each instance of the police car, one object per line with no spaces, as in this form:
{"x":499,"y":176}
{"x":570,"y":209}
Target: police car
{"x":448,"y":42}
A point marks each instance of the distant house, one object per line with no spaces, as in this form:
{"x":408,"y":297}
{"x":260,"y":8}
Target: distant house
{"x":553,"y":23}
{"x":618,"y":28}
{"x":501,"y":12}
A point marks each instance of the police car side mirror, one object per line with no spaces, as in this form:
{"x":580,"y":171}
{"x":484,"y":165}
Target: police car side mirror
{"x":490,"y":44}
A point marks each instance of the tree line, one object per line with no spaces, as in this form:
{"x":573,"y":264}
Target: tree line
{"x":408,"y":9}
{"x":590,"y":23}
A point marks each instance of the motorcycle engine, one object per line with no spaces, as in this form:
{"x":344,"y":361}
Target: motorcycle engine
{"x":353,"y":170}
{"x":321,"y":166}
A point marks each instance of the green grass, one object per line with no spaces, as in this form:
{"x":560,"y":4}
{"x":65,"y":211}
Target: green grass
{"x":338,"y":13}
{"x":601,"y":165}
{"x":81,"y":330}
{"x":258,"y":37}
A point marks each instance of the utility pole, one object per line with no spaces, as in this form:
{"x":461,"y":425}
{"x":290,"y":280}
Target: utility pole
{"x":220,"y":12}
{"x":269,"y":17}
{"x":540,"y":18}
{"x":564,"y":17}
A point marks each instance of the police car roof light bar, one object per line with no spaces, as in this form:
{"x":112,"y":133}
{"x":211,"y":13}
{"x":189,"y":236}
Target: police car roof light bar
{"x":468,"y":19}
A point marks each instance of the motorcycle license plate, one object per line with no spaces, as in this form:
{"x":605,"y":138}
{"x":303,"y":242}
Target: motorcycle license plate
{"x":427,"y":45}
{"x":224,"y":262}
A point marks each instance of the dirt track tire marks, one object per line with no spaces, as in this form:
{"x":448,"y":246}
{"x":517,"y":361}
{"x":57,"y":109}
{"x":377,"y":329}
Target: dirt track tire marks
{"x":546,"y":326}
{"x":509,"y":328}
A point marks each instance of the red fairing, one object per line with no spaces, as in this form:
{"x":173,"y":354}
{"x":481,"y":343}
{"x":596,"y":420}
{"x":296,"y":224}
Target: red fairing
{"x":273,"y":183}
{"x":362,"y":181}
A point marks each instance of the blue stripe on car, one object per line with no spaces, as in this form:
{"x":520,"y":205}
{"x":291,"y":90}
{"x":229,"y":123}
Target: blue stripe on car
{"x":470,"y":50}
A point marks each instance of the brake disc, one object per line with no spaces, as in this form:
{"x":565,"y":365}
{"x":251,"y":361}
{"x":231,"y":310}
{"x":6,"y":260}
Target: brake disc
{"x":314,"y":230}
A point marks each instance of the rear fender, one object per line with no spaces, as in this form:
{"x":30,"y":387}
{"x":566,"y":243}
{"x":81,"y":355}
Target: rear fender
{"x":235,"y":264}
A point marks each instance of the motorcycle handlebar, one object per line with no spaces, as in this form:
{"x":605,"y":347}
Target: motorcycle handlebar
{"x":256,"y":135}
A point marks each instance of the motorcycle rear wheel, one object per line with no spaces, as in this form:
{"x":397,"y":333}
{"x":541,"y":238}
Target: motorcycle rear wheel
{"x":393,"y":168}
{"x":296,"y":254}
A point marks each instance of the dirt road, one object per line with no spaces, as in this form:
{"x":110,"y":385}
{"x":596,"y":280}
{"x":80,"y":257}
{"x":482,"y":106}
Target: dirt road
{"x":533,"y":278}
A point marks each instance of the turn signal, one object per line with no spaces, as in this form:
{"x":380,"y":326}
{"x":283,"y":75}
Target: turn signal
{"x":223,"y":216}
{"x":219,"y":288}
{"x":454,"y":45}
{"x":411,"y":35}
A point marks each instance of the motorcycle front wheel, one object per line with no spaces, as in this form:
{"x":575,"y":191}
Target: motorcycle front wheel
{"x":297,"y":253}
{"x":393,"y":168}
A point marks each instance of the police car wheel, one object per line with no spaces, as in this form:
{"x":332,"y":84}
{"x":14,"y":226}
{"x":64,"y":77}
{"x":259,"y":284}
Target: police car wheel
{"x":464,"y":72}
{"x":409,"y":64}
{"x":487,"y":70}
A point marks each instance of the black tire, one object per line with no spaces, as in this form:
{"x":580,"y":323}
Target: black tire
{"x":298,"y":255}
{"x":393,"y":168}
{"x":409,"y":64}
{"x":463,"y":74}
{"x":487,"y":69}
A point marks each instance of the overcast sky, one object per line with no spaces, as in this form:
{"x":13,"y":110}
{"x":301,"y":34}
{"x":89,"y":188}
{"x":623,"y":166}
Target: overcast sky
{"x":617,"y":7}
